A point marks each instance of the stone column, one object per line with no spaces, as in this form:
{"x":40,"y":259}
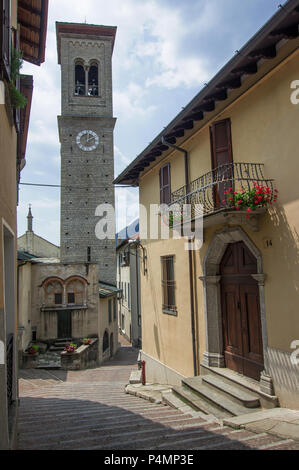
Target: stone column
{"x":213,"y":356}
{"x":266,"y":382}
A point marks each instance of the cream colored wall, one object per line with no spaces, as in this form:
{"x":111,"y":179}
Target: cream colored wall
{"x":264,"y":129}
{"x":167,"y":338}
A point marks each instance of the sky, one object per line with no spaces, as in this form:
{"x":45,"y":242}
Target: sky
{"x":165,"y":51}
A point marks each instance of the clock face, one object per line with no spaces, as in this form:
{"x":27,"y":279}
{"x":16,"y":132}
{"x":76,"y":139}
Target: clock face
{"x":87,"y":140}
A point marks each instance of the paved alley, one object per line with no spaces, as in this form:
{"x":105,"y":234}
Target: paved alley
{"x":89,"y":410}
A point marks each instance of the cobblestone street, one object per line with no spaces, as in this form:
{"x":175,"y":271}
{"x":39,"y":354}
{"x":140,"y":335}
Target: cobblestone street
{"x":89,"y":410}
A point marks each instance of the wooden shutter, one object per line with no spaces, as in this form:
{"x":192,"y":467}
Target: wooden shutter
{"x":5,"y":36}
{"x":222,"y":158}
{"x":221,"y":145}
{"x":165,"y":191}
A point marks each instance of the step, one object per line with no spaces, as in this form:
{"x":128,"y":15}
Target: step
{"x":245,"y":398}
{"x":244,"y":383}
{"x":56,"y":348}
{"x":216,"y":397}
{"x":199,"y":404}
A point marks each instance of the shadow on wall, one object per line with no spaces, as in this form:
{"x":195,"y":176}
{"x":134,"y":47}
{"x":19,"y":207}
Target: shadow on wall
{"x":77,"y":424}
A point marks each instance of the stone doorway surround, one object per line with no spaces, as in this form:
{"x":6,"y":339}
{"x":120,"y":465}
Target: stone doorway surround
{"x":213,"y":356}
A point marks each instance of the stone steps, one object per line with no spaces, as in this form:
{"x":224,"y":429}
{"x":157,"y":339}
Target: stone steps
{"x":211,"y":395}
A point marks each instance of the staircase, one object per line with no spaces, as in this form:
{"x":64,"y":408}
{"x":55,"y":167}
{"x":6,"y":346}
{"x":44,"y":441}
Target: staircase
{"x":222,"y":394}
{"x":60,"y":344}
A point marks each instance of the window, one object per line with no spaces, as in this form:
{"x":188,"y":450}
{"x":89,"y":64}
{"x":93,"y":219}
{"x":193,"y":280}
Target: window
{"x":75,"y":291}
{"x":129,"y":297}
{"x":58,"y":299}
{"x":168,"y":285}
{"x":165,"y":192}
{"x":71,"y":298}
{"x":110,"y":310}
{"x":114,"y":308}
{"x":93,"y":80}
{"x":53,"y":292}
{"x":80,"y":79}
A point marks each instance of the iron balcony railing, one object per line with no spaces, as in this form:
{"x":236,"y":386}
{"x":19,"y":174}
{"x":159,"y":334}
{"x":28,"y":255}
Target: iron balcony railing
{"x":208,"y":191}
{"x":9,"y":370}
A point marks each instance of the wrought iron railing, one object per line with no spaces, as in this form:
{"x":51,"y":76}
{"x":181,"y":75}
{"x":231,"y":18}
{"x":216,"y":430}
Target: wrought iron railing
{"x":208,"y":191}
{"x":9,"y":370}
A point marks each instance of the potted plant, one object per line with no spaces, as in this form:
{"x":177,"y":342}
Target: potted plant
{"x":32,"y":350}
{"x":70,"y":348}
{"x":87,"y":341}
{"x":251,"y":199}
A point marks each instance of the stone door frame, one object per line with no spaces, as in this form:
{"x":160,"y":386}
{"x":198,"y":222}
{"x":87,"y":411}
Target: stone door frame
{"x":214,"y":354}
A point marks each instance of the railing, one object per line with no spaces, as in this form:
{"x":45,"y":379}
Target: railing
{"x":9,"y":370}
{"x":208,"y":191}
{"x":92,"y":90}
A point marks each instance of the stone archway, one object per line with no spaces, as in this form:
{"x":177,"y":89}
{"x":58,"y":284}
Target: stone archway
{"x":213,"y":355}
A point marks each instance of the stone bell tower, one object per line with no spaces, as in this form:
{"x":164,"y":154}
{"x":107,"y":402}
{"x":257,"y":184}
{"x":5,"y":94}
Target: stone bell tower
{"x":86,"y":129}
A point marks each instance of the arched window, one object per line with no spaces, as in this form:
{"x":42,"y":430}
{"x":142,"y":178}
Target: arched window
{"x":53,"y":292}
{"x":80,"y":80}
{"x":105,"y":341}
{"x":93,"y":79}
{"x":75,"y":292}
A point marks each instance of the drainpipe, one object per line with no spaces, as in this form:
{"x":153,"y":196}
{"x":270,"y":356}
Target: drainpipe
{"x":190,"y":253}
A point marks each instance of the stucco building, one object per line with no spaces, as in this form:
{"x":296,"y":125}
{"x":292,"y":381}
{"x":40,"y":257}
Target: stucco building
{"x":227,"y":312}
{"x":25,"y":32}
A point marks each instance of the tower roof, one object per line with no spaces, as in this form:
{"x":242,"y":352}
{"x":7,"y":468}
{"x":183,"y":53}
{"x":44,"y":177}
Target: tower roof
{"x":82,"y":29}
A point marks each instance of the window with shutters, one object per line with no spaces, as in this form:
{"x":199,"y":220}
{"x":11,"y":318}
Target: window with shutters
{"x":222,"y":159}
{"x":5,"y":37}
{"x":168,"y":285}
{"x":165,"y":189}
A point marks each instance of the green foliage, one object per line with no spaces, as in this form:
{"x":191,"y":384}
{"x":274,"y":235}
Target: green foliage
{"x":16,"y":64}
{"x":16,"y":97}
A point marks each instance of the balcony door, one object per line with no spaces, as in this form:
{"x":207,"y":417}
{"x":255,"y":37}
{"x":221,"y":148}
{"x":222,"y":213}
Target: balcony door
{"x":222,"y":158}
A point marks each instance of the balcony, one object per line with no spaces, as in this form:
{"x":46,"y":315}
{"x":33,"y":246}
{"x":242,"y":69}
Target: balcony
{"x":207,"y":194}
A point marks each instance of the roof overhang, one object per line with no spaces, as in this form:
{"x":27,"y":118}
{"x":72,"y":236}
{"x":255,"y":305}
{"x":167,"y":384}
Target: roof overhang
{"x":277,"y":39}
{"x":85,"y":30}
{"x":33,"y":20}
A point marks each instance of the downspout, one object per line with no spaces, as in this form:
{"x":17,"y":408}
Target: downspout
{"x":190,"y":253}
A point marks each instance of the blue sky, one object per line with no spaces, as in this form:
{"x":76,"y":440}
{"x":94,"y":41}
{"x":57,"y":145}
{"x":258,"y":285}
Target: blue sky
{"x":165,"y":51}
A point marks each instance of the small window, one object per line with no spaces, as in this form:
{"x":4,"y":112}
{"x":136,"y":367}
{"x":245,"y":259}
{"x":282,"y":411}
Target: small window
{"x":110,"y":310}
{"x":58,"y":299}
{"x":114,"y":308}
{"x":168,"y":285}
{"x":70,"y":298}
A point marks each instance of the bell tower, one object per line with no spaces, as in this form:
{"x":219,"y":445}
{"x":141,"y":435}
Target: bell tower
{"x":86,"y":129}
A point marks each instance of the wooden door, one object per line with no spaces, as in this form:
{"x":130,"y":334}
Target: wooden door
{"x":64,"y":326}
{"x":243,"y":348}
{"x":221,"y":152}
